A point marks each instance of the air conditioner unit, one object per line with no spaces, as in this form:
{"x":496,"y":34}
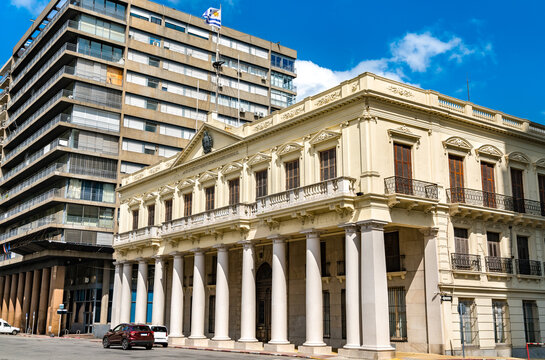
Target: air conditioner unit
{"x":239,"y":72}
{"x":220,"y":87}
{"x":256,"y":114}
{"x":264,"y":78}
{"x":261,"y":114}
{"x":242,"y":110}
{"x":131,"y":36}
{"x":166,"y":46}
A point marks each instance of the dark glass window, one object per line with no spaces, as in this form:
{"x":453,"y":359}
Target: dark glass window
{"x":168,"y":210}
{"x":234,"y":191}
{"x":261,"y":183}
{"x":209,"y":192}
{"x":327,"y":314}
{"x":135,"y":219}
{"x":391,"y":247}
{"x":151,"y":215}
{"x":188,"y":201}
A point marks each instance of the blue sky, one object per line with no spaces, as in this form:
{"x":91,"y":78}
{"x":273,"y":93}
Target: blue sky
{"x":436,"y":45}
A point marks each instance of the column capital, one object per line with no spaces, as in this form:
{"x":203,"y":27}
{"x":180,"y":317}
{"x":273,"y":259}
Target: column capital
{"x":349,"y":227}
{"x":247,"y":243}
{"x":221,"y":247}
{"x":429,"y":231}
{"x":141,"y":260}
{"x":312,"y":232}
{"x":176,"y":254}
{"x":372,"y":224}
{"x":277,"y":238}
{"x":118,"y":262}
{"x":197,"y":251}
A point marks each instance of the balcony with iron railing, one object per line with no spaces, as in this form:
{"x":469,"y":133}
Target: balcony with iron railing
{"x":528,"y":267}
{"x":495,"y":264}
{"x":411,"y":187}
{"x":466,"y":262}
{"x":494,"y":201}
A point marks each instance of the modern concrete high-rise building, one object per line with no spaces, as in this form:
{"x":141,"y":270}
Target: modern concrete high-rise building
{"x":96,"y":89}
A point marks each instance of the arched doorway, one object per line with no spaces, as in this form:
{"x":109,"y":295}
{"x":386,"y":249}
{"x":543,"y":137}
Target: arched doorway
{"x":263,"y":303}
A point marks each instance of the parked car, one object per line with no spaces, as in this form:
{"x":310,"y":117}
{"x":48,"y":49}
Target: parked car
{"x":129,"y":335}
{"x":160,"y":333}
{"x":6,"y":328}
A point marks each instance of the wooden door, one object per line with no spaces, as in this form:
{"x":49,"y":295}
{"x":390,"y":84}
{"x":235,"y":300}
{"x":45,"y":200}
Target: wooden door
{"x":263,"y":302}
{"x":403,"y":169}
{"x":456,"y":172}
{"x":489,"y":185}
{"x":518,"y":190}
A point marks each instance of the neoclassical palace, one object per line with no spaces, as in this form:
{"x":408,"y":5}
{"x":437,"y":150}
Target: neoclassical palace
{"x":371,"y":217}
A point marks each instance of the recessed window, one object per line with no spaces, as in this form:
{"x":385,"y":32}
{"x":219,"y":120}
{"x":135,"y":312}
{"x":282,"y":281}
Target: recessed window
{"x":531,"y":321}
{"x":292,"y":174}
{"x":151,"y":104}
{"x":151,"y":215}
{"x":234,"y":191}
{"x":156,"y":20}
{"x":151,"y":127}
{"x":499,"y":312}
{"x":153,"y":61}
{"x":153,"y":83}
{"x":398,"y":314}
{"x":209,"y":192}
{"x":188,"y":202}
{"x":261,"y":183}
{"x":135,"y":219}
{"x":168,"y":210}
{"x":328,"y":168}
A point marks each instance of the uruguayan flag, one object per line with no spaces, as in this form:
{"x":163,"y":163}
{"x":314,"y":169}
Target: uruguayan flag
{"x":212,"y":17}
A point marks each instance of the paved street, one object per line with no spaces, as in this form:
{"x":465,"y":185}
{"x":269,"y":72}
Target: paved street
{"x":19,"y":348}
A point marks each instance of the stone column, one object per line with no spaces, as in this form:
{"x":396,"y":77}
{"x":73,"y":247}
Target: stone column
{"x":314,"y":314}
{"x":125,"y":303}
{"x":158,"y":308}
{"x":352,"y":271}
{"x":197,"y":337}
{"x":434,"y":312}
{"x":141,"y":292}
{"x":221,"y":327}
{"x":2,"y":283}
{"x":176,"y":335}
{"x":116,"y":300}
{"x":44,"y":301}
{"x":105,"y":292}
{"x":247,"y":303}
{"x":35,"y":300}
{"x":374,"y":288}
{"x":279,"y":299}
{"x":26,"y":319}
{"x":56,"y":294}
{"x":19,"y":301}
{"x":5,"y":297}
{"x":12,"y":299}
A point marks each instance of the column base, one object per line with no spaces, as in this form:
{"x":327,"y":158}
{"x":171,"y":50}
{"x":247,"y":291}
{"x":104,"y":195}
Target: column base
{"x":367,"y":354}
{"x":196,"y":342}
{"x":282,"y":348}
{"x":314,"y":350}
{"x":251,"y":345}
{"x":222,"y":344}
{"x":176,"y":340}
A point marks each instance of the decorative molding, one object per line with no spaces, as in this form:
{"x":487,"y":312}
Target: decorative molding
{"x":259,"y":158}
{"x":289,"y":148}
{"x":404,"y":134}
{"x":400,"y":91}
{"x":458,"y":143}
{"x":208,"y":176}
{"x":518,"y":157}
{"x":231,"y":168}
{"x":489,"y":151}
{"x":150,"y":196}
{"x":323,"y":136}
{"x":262,"y":125}
{"x":324,"y":100}
{"x":354,"y":86}
{"x":293,"y":113}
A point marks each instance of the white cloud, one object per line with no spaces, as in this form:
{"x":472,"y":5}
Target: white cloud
{"x":33,"y":6}
{"x":413,"y":52}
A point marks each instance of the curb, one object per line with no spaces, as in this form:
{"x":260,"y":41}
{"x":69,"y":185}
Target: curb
{"x":256,"y":352}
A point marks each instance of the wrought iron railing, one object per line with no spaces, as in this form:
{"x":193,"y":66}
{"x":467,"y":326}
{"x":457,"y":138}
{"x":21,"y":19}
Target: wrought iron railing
{"x":499,"y":265}
{"x":406,"y":186}
{"x":466,"y":262}
{"x":528,"y":267}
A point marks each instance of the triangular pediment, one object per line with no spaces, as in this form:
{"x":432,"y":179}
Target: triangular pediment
{"x":207,"y":176}
{"x":259,"y":158}
{"x":540,"y":163}
{"x":323,"y":136}
{"x":134,"y":202}
{"x":150,"y":197}
{"x":166,"y":190}
{"x":218,"y":137}
{"x":187,"y":183}
{"x":289,"y":148}
{"x":230,"y":168}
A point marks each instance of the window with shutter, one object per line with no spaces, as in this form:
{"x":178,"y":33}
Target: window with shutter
{"x":518,"y":190}
{"x":488,"y":183}
{"x":456,"y":174}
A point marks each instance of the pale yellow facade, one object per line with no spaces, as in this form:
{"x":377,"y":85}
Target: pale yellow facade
{"x":376,"y":242}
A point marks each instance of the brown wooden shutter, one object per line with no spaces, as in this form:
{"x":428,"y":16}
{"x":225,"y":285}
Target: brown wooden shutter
{"x":488,"y":184}
{"x":456,"y":172}
{"x":517,"y":189}
{"x":541,"y":185}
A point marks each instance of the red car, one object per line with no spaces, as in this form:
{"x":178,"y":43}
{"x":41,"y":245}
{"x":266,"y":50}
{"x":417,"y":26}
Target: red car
{"x":129,"y":335}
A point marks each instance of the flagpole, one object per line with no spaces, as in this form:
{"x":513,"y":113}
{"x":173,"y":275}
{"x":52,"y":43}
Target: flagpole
{"x":238,"y":90}
{"x":218,"y":30}
{"x":197,"y":116}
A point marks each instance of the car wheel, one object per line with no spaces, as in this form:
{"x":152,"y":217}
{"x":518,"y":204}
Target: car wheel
{"x":106,"y":343}
{"x":165,"y":345}
{"x":148,"y":347}
{"x":125,"y":344}
{"x":14,"y":332}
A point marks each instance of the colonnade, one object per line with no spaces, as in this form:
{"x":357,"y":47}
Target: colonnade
{"x":365,"y":269}
{"x":29,"y":300}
